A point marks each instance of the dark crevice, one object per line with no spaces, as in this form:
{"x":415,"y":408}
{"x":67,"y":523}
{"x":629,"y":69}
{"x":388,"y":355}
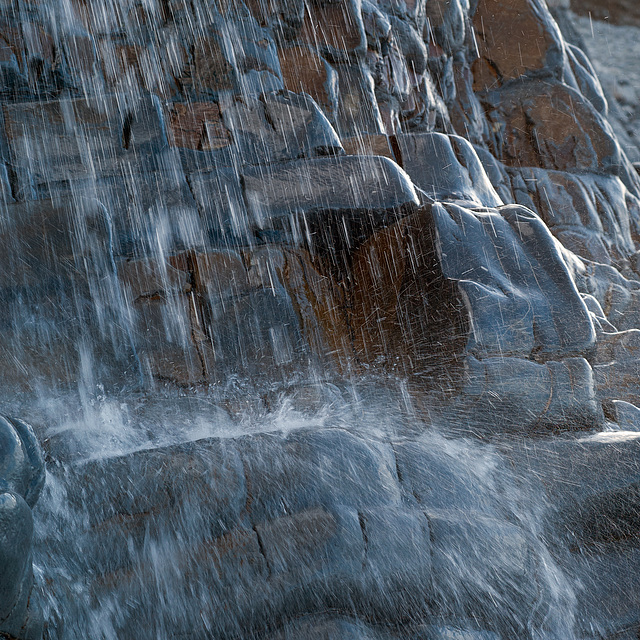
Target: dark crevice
{"x":262,"y":549}
{"x":395,"y":148}
{"x":365,"y":538}
{"x":127,"y":134}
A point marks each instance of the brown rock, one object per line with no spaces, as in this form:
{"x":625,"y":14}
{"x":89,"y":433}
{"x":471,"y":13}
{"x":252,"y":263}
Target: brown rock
{"x":368,"y":145}
{"x":552,"y":126}
{"x":515,"y":38}
{"x":320,"y":304}
{"x":219,"y":274}
{"x":335,"y":28}
{"x":625,"y":12}
{"x":197,"y":125}
{"x":303,"y":70}
{"x":395,"y":275}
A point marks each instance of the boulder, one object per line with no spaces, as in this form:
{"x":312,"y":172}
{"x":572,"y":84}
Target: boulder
{"x":299,"y":196}
{"x":22,"y":476}
{"x":547,"y":124}
{"x":446,"y":168}
{"x":594,"y":216}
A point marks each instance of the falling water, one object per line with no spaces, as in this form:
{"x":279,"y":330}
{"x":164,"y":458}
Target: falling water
{"x":217,"y":467}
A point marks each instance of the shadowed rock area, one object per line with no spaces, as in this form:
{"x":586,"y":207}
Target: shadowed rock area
{"x":327,"y":317}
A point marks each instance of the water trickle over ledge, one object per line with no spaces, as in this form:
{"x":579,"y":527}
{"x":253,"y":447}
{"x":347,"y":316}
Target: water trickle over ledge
{"x":325,"y":315}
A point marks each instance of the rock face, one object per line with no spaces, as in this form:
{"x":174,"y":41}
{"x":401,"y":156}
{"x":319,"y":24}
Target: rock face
{"x":21,"y":481}
{"x":245,"y":198}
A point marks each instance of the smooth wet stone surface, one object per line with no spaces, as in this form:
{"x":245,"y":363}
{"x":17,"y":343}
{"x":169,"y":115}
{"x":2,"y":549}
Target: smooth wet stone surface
{"x":22,"y":476}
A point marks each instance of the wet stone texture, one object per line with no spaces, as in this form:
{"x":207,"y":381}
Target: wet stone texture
{"x":206,"y":197}
{"x":22,"y":476}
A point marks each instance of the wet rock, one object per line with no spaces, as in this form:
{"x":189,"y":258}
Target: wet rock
{"x":147,"y":482}
{"x":298,"y":209}
{"x":447,"y":20}
{"x":624,"y":413}
{"x":164,"y":319}
{"x":58,"y":260}
{"x":22,"y":476}
{"x":586,"y":79}
{"x":290,"y":478}
{"x":615,"y":293}
{"x":516,"y":232}
{"x":300,"y":122}
{"x":284,"y":17}
{"x":328,"y":627}
{"x":320,"y":305}
{"x":560,"y":395}
{"x":497,"y":174}
{"x":551,"y":128}
{"x":84,"y":137}
{"x":212,"y":71}
{"x":220,"y":199}
{"x":590,"y":215}
{"x":540,"y":50}
{"x":277,"y":193}
{"x":618,"y":11}
{"x":396,"y":537}
{"x":474,"y":538}
{"x":403,"y":310}
{"x":358,"y":109}
{"x":336,"y":29}
{"x":466,"y":113}
{"x":368,"y":145}
{"x":278,"y":126}
{"x":312,"y":556}
{"x":305,"y":71}
{"x":453,"y":633}
{"x":602,"y":549}
{"x":22,"y":464}
{"x":421,"y":299}
{"x":198,"y":126}
{"x":446,"y":168}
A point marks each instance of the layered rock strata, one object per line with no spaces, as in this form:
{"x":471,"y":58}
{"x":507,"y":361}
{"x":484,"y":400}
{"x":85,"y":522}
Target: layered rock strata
{"x":428,"y":193}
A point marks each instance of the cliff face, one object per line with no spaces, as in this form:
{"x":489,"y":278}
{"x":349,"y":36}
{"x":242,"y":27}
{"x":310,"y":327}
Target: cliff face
{"x":267,"y":189}
{"x":427,"y":194}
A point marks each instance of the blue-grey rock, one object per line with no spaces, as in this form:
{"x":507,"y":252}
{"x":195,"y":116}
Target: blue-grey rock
{"x":446,"y":168}
{"x":21,"y":460}
{"x":22,"y":476}
{"x":497,"y":255}
{"x":221,"y":203}
{"x":83,"y":134}
{"x":277,"y":193}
